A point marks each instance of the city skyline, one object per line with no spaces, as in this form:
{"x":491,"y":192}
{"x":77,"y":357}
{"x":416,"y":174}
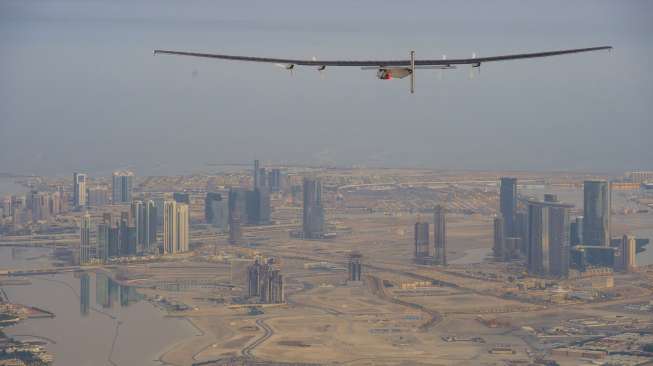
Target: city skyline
{"x":262,"y":190}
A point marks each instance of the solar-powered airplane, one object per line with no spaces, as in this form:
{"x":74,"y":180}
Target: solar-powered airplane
{"x":387,"y":69}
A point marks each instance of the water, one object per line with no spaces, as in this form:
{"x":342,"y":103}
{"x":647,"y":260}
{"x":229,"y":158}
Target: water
{"x":24,"y":258}
{"x":97,"y":322}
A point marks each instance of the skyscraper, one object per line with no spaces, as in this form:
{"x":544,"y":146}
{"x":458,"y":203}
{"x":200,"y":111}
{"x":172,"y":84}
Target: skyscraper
{"x":258,"y":206}
{"x":128,"y":239}
{"x":508,"y":204}
{"x":216,"y":210}
{"x":122,"y":183}
{"x":103,"y":240}
{"x":499,"y":237}
{"x":271,"y":287}
{"x":596,"y":213}
{"x":138,"y":219}
{"x":150,"y":226}
{"x":627,"y":251}
{"x":260,"y":176}
{"x":354,"y":266}
{"x":235,"y":231}
{"x":97,"y":196}
{"x":238,"y":203}
{"x":257,"y":177}
{"x":439,"y":236}
{"x":576,"y":231}
{"x":85,"y":253}
{"x":313,"y":211}
{"x":79,"y":190}
{"x":548,"y":238}
{"x":276,"y":180}
{"x":254,"y":279}
{"x":39,"y":204}
{"x":176,"y":235}
{"x":265,"y":282}
{"x":421,"y":241}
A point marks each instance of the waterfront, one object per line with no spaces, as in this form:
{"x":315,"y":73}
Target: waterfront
{"x":97,"y":321}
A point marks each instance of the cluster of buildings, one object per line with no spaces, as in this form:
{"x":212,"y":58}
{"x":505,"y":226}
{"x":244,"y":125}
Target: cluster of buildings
{"x":34,"y":206}
{"x":135,"y":232}
{"x":423,"y":253}
{"x":84,"y":195}
{"x":551,"y":243}
{"x":265,"y":282}
{"x":245,"y":207}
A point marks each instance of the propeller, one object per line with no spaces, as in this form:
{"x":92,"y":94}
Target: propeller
{"x":320,"y":69}
{"x":289,"y":67}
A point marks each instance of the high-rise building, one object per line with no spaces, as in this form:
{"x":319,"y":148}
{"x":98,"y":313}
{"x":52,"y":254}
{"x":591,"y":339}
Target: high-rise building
{"x":499,"y":237}
{"x":258,"y":206}
{"x":56,"y":203}
{"x":138,"y":220}
{"x":257,"y":177}
{"x":7,"y":207}
{"x":79,"y":190}
{"x":276,"y":180}
{"x":254,"y":279}
{"x":85,"y":249}
{"x":548,"y":238}
{"x":176,"y":234}
{"x":128,"y":239}
{"x":238,"y":203}
{"x":150,"y":226}
{"x":235,"y":231}
{"x":313,"y":211}
{"x":122,"y":184}
{"x":272,"y":291}
{"x":97,"y":196}
{"x":439,"y":236}
{"x":39,"y":205}
{"x":216,"y":210}
{"x":265,"y":282}
{"x":508,"y":204}
{"x":421,"y":241}
{"x":354,"y":266}
{"x":521,"y":227}
{"x":103,"y":241}
{"x":260,"y":176}
{"x":596,"y":213}
{"x":576,"y":231}
{"x":627,"y":253}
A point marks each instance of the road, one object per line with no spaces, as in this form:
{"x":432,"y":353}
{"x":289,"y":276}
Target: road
{"x":247,"y":351}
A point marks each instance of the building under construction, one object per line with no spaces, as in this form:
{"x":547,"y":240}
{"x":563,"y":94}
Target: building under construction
{"x":354,"y":264}
{"x":422,"y":243}
{"x":265,"y":282}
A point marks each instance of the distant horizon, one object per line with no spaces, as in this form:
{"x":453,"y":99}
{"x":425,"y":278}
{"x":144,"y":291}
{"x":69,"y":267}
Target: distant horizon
{"x":80,"y":88}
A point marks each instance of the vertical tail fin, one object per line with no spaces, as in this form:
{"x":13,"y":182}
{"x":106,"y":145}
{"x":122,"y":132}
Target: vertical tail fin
{"x":412,"y":72}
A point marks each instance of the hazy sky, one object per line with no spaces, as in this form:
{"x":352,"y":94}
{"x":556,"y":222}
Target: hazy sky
{"x":81,"y":90}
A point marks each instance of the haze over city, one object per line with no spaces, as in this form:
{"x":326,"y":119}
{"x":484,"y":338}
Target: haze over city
{"x":79,"y":76}
{"x":294,"y":183}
